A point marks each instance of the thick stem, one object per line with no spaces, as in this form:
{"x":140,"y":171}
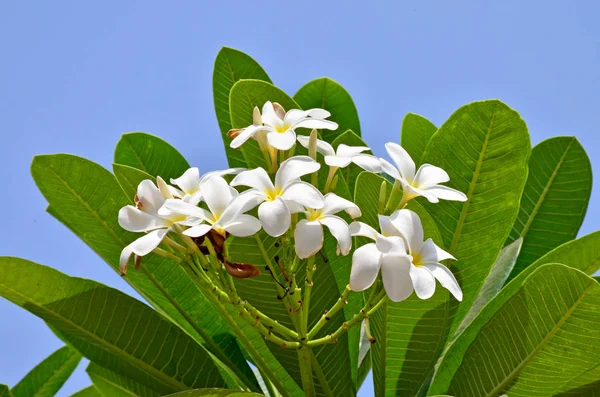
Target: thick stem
{"x":339,"y":304}
{"x":332,"y":171}
{"x":304,"y":358}
{"x":316,"y":367}
{"x":310,"y":270}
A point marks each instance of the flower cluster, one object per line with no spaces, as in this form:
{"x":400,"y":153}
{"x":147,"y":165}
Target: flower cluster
{"x":280,"y":201}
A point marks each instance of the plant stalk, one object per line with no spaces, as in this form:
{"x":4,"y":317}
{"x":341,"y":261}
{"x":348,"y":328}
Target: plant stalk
{"x":304,"y":358}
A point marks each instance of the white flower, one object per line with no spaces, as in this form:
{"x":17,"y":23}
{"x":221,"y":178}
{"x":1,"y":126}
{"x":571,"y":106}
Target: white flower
{"x":145,"y":217}
{"x":278,"y":200}
{"x":189,"y":183}
{"x":401,"y":273}
{"x":225,"y":212}
{"x":344,"y":155}
{"x":426,"y":257}
{"x":426,"y":181}
{"x":308,"y":234}
{"x":279,"y":126}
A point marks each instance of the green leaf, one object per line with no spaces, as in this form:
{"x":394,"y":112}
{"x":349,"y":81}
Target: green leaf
{"x":555,"y":198}
{"x":532,"y":339}
{"x":351,"y":172}
{"x":494,"y":281}
{"x":244,"y":96}
{"x":214,"y":393}
{"x":328,"y":94}
{"x":137,"y":342}
{"x":86,"y":198}
{"x":89,"y":391}
{"x":334,"y":359}
{"x":129,"y":178}
{"x":484,"y":147}
{"x":112,"y":384}
{"x":232,"y":66}
{"x":409,"y":335}
{"x":415,"y":135}
{"x":150,"y":154}
{"x":582,"y":254}
{"x":5,"y":391}
{"x":48,"y":376}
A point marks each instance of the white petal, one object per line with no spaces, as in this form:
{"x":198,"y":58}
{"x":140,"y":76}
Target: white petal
{"x":246,"y":134}
{"x":243,"y":226}
{"x":386,"y":226}
{"x":193,"y":199}
{"x":308,"y":237}
{"x":393,"y":244}
{"x":364,"y":230}
{"x":242,"y":203}
{"x":228,"y":171}
{"x":304,"y":194}
{"x":335,"y":204}
{"x":189,"y":182}
{"x":256,"y":178}
{"x":217,"y":194}
{"x":423,"y":281}
{"x":365,"y":267}
{"x":409,"y":225}
{"x":164,"y":189}
{"x":294,"y":168}
{"x":367,"y":162}
{"x":318,"y":113}
{"x":274,"y":216}
{"x":134,"y":220}
{"x":142,"y":246}
{"x":430,"y":175}
{"x":295,"y":207}
{"x":395,"y":275}
{"x":340,"y":230}
{"x":446,"y":193}
{"x":198,"y":230}
{"x":269,"y":116}
{"x":389,"y":169}
{"x":174,"y":206}
{"x":337,"y":161}
{"x":322,"y":147}
{"x":404,"y":163}
{"x":281,"y":140}
{"x":316,"y":123}
{"x":443,"y":255}
{"x":349,"y":151}
{"x":295,"y":115}
{"x":428,"y":252}
{"x":149,"y":196}
{"x":447,"y":279}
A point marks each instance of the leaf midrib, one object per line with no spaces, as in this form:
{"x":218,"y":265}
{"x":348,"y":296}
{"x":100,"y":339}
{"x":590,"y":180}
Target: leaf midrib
{"x":114,"y":384}
{"x":55,"y":373}
{"x":515,"y":372}
{"x":542,"y":197}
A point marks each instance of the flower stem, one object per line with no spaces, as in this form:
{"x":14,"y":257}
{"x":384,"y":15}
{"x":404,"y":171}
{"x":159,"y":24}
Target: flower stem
{"x":341,"y":302}
{"x":393,"y":195}
{"x":316,"y":367}
{"x":310,"y":270}
{"x":332,"y":171}
{"x":304,"y":358}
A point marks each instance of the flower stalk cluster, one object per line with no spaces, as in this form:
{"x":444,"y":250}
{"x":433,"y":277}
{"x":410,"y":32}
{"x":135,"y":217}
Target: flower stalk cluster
{"x":192,"y":220}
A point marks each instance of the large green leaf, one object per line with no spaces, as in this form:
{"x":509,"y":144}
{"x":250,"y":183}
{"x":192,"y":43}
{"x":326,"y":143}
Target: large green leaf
{"x":112,"y":384}
{"x":129,"y":178}
{"x":231,"y":66}
{"x":582,"y":254}
{"x":328,"y":94}
{"x":535,"y":338}
{"x":48,"y":376}
{"x":415,"y":135}
{"x":86,"y":198}
{"x":495,"y":280}
{"x":244,"y":96}
{"x":484,"y":147}
{"x":110,"y":328}
{"x":89,"y":391}
{"x":555,"y":198}
{"x":410,"y":334}
{"x":214,"y":393}
{"x":150,"y":154}
{"x":5,"y":391}
{"x":261,"y":292}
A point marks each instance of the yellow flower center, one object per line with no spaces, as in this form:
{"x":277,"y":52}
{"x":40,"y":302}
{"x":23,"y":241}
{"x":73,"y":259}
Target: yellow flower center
{"x":313,"y":215}
{"x":282,"y":128}
{"x":272,"y":194}
{"x":417,"y":259}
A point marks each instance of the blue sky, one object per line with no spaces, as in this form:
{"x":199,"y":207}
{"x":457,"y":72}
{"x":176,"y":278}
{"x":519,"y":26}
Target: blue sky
{"x":76,"y":75}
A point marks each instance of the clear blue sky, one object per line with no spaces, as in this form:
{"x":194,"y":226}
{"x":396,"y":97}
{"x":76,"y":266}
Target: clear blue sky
{"x":75,"y":75}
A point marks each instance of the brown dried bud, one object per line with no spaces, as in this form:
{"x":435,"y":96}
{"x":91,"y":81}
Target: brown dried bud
{"x":138,"y":262}
{"x":234,"y":132}
{"x":137,"y":202}
{"x":279,"y":110}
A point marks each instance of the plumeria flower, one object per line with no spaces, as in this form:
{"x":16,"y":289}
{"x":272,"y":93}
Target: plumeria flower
{"x":190,"y":181}
{"x":145,"y":217}
{"x":425,"y":182}
{"x":280,"y":126}
{"x":280,"y":199}
{"x":425,"y":256}
{"x":225,"y":212}
{"x":344,"y":155}
{"x":308,"y":234}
